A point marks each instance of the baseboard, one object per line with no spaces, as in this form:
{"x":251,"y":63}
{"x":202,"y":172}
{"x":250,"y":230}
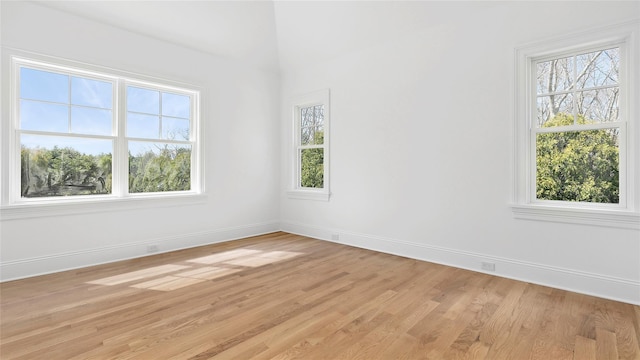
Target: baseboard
{"x":608,"y":287}
{"x":567,"y":279}
{"x":23,"y":268}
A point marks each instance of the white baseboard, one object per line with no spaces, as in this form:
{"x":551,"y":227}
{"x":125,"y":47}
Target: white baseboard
{"x":608,"y":287}
{"x":567,"y":279}
{"x":23,"y":268}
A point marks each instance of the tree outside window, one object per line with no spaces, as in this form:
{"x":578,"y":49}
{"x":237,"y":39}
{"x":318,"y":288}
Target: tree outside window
{"x":310,"y":153}
{"x":577,"y":127}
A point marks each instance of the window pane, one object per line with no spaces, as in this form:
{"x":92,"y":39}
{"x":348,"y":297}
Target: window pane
{"x":143,"y":126}
{"x":312,"y":116}
{"x":92,"y":93}
{"x":318,"y":136}
{"x":598,"y":68}
{"x":176,"y":105}
{"x":312,"y":136}
{"x":158,"y":167}
{"x":64,"y":166}
{"x":35,"y":115}
{"x":44,"y":85}
{"x":90,"y":121}
{"x":553,"y":110}
{"x":175,"y":129}
{"x":306,"y":135}
{"x":597,"y":106}
{"x":143,"y":100}
{"x":312,"y":125}
{"x":555,"y":75}
{"x":312,"y":168}
{"x":306,"y":117}
{"x":318,"y":115}
{"x":578,"y":166}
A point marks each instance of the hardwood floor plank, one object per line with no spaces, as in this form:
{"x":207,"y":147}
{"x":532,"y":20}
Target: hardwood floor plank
{"x":207,"y":273}
{"x":606,"y":348}
{"x":138,"y":275}
{"x":585,"y":349}
{"x":284,"y":296}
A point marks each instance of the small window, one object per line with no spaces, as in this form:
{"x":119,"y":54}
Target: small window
{"x":76,"y":131}
{"x":311,"y":150}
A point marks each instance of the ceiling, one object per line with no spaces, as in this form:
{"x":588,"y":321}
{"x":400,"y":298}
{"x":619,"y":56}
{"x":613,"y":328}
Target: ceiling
{"x":240,"y":30}
{"x":269,"y":34}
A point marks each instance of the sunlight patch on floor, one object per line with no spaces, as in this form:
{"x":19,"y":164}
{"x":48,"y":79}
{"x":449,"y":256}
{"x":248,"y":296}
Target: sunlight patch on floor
{"x":168,"y":283}
{"x":262,"y":258}
{"x":227,"y":263}
{"x":224,"y":256}
{"x":208,"y":272}
{"x":139,"y":275}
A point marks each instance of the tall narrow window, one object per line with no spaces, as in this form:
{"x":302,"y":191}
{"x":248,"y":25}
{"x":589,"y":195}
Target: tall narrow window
{"x":311,"y":123}
{"x":311,"y":148}
{"x":76,"y":131}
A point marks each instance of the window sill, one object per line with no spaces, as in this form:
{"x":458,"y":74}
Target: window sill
{"x":607,"y":218}
{"x":85,"y":206}
{"x":308,"y":195}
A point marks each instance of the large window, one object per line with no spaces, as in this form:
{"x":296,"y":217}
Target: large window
{"x":79,"y":134}
{"x":311,"y":149}
{"x":577,"y":128}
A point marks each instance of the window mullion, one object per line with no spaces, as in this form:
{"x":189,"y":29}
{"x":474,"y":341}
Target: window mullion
{"x":579,"y":127}
{"x":120,"y":156}
{"x":574,"y":88}
{"x":160,"y":115}
{"x":69,"y":103}
{"x":562,"y":92}
{"x":311,"y":146}
{"x":168,"y":141}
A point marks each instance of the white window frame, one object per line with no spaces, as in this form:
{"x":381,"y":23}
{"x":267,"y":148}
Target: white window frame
{"x":320,"y":97}
{"x":13,"y":206}
{"x":626,"y":213}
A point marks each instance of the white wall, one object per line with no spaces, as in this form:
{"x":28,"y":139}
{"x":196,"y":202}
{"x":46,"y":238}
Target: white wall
{"x":421,"y":144}
{"x":240,"y":116}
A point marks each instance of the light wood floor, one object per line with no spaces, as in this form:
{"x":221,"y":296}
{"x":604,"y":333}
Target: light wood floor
{"x":282,"y":296}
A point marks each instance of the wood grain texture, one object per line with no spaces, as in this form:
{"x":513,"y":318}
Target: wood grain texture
{"x":283,"y":296}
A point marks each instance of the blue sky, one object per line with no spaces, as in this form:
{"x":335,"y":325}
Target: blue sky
{"x":585,"y":84}
{"x":65,"y":104}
